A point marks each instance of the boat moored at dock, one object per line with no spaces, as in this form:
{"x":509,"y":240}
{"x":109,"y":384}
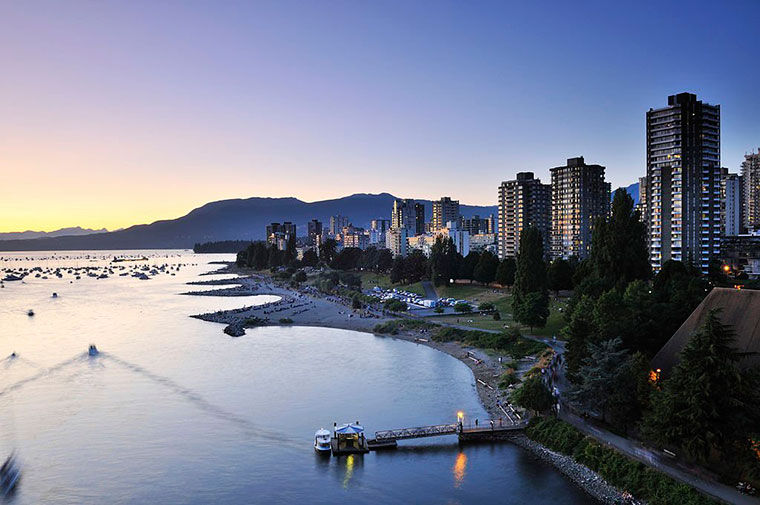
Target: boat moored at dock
{"x":322,"y":441}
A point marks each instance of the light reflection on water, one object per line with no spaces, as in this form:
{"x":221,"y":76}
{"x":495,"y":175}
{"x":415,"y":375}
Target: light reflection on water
{"x":174,"y":411}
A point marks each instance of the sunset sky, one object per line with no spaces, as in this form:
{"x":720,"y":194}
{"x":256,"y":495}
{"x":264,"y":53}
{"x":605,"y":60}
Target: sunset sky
{"x":119,"y":113}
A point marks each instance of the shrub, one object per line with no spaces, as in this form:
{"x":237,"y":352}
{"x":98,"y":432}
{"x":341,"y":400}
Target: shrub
{"x":286,"y":320}
{"x":356,"y":303}
{"x":395,"y":305}
{"x":463,"y":307}
{"x":619,"y":470}
{"x":300,"y":276}
{"x":507,"y":379}
{"x":438,"y":310}
{"x":496,"y":316}
{"x":486,"y":307}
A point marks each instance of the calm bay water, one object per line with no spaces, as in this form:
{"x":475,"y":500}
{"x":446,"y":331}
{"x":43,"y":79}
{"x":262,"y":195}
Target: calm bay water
{"x":175,"y":411}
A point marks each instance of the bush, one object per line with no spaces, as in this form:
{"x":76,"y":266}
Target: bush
{"x":619,"y":470}
{"x":286,"y":320}
{"x":463,"y":307}
{"x":395,"y":305}
{"x":506,"y":342}
{"x":393,"y":327}
{"x":356,"y":303}
{"x":507,"y":379}
{"x":438,"y":310}
{"x":300,"y":276}
{"x":486,"y":307}
{"x":496,"y":316}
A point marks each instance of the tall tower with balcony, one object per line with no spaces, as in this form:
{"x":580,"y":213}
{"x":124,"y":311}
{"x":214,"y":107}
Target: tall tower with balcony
{"x":684,"y":182}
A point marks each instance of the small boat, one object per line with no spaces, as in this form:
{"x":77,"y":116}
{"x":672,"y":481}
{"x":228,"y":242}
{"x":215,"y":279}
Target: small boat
{"x":30,"y":313}
{"x":9,"y":476}
{"x":92,"y":351}
{"x":55,"y":295}
{"x":322,"y":441}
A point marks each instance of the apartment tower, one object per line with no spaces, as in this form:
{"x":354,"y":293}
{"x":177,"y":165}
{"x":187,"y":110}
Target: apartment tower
{"x":580,"y":196}
{"x":523,"y":202}
{"x":445,"y":210}
{"x":751,"y":180}
{"x":684,"y":182}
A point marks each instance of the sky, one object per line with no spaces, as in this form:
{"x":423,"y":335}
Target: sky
{"x":120,"y":113}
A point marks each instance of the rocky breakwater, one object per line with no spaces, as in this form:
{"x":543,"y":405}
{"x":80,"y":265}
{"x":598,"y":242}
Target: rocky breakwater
{"x":588,"y":480}
{"x":235,"y":324}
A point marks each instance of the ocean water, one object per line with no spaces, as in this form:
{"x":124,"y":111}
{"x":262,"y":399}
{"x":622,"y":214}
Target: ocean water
{"x":175,"y":411}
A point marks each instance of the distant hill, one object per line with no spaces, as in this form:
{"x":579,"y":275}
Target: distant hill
{"x":240,"y":219}
{"x":633,"y":190}
{"x":24,"y":235}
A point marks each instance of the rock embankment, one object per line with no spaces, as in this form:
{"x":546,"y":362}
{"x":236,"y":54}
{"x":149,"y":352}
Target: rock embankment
{"x":582,"y":476}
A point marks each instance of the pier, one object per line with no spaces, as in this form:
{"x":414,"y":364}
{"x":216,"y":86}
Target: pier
{"x":490,"y":430}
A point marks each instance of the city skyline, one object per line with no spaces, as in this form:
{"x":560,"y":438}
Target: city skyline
{"x":127,"y":114}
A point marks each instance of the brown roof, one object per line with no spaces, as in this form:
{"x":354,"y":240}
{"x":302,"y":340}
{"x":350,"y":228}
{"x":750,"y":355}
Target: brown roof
{"x":740,"y":309}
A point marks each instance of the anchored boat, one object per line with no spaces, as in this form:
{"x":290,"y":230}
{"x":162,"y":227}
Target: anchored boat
{"x":322,"y":441}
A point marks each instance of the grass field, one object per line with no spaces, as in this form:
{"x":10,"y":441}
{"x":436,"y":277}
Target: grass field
{"x":472,"y":292}
{"x":503,"y":303}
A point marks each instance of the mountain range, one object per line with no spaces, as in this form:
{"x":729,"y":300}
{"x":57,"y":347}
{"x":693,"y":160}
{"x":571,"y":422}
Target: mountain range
{"x":29,"y":234}
{"x":239,"y":219}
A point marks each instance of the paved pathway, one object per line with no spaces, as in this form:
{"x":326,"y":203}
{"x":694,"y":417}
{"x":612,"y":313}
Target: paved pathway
{"x":635,"y":449}
{"x":430,"y":293}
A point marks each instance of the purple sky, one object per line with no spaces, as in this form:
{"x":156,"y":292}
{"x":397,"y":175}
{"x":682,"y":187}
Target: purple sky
{"x":116,"y":113}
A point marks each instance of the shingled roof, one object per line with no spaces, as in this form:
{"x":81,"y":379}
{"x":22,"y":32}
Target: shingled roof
{"x":740,"y":308}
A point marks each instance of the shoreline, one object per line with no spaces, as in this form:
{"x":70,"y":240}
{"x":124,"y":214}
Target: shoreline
{"x":307,"y":307}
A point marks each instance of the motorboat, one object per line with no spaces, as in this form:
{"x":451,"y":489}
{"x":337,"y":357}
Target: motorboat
{"x":30,"y":313}
{"x":9,"y":475}
{"x":92,"y":351}
{"x":322,"y":441}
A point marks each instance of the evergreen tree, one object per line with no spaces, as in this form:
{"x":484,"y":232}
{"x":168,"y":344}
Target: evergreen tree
{"x":444,"y":261}
{"x":485,"y":270}
{"x":533,"y":310}
{"x":505,"y":274}
{"x":533,"y":395}
{"x":579,"y":333}
{"x":708,"y":403}
{"x":327,"y":251}
{"x":415,"y":266}
{"x":619,"y":251}
{"x":384,"y":260}
{"x":600,"y":376}
{"x":398,"y":269}
{"x":559,"y":275}
{"x":530,"y":299}
{"x":467,"y":266}
{"x":310,"y":258}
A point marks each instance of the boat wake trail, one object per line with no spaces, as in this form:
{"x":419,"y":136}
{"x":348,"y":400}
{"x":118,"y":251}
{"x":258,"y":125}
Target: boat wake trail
{"x":244,"y":424}
{"x":45,"y":372}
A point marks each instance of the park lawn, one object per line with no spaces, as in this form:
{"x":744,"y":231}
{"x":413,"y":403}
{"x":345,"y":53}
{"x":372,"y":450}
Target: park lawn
{"x":554,"y":324}
{"x":468,"y":292}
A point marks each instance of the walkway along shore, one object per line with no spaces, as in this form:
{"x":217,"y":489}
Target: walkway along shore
{"x":308,"y":307}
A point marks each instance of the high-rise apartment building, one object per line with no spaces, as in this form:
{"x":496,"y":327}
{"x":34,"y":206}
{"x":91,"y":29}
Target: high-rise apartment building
{"x":477,"y":225}
{"x":280,"y":235}
{"x":684,"y":179}
{"x":396,"y":241}
{"x":409,"y":215}
{"x":337,"y":223}
{"x":314,"y":232}
{"x":580,"y":196}
{"x":731,"y":204}
{"x":751,"y":180}
{"x":445,"y":210}
{"x":523,"y":202}
{"x":643,"y":199}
